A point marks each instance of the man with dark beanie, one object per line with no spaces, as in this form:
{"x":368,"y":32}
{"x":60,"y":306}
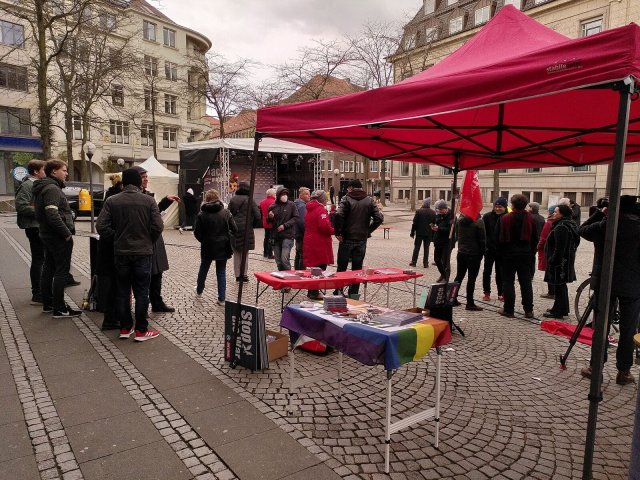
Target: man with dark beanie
{"x":132,"y":221}
{"x":517,"y":241}
{"x":424,"y":218}
{"x":490,"y":220}
{"x":159,"y":261}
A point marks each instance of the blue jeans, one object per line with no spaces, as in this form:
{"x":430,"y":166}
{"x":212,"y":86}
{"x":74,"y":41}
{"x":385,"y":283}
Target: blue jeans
{"x":282,"y":251}
{"x":133,"y":272}
{"x":221,"y":275}
{"x":355,"y":251}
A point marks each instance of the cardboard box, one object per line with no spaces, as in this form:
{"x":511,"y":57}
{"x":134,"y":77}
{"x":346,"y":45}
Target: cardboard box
{"x":279,"y":347}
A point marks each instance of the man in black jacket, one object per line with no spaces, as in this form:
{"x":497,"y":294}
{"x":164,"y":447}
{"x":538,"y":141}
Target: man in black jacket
{"x":283,"y":215}
{"x":133,"y":222}
{"x":534,"y":209}
{"x":56,"y":229}
{"x":517,"y":240}
{"x":472,"y":241}
{"x":441,"y":241}
{"x":490,"y":220}
{"x":159,"y":261}
{"x":424,"y":218}
{"x":626,"y":277}
{"x":357,"y":217}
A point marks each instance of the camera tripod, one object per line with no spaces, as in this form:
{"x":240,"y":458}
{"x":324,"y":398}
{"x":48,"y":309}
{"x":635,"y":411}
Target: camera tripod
{"x":614,"y":315}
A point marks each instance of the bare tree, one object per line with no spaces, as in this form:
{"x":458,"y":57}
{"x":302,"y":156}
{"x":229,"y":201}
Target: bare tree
{"x":88,"y":78}
{"x":46,"y":19}
{"x":309,"y":74}
{"x":224,"y":84}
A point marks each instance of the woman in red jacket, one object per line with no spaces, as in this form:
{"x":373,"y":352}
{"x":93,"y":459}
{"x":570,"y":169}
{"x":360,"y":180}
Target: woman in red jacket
{"x":318,"y":234}
{"x":542,"y":259}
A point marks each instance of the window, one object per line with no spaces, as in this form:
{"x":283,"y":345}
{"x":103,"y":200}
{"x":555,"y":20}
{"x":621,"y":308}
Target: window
{"x":13,"y":77}
{"x":443,"y":194}
{"x":420,"y":194}
{"x":587,"y":198}
{"x":170,"y":137}
{"x":424,"y":170}
{"x":11,"y":33}
{"x":455,"y":25}
{"x":451,"y":2}
{"x":107,"y":20}
{"x":149,"y":30}
{"x":77,"y":128}
{"x":171,"y":71}
{"x":330,"y":165}
{"x":173,"y":167}
{"x":407,"y":194}
{"x":400,"y":194}
{"x":534,"y":170}
{"x":445,"y":171}
{"x":150,"y":100}
{"x":169,"y":37}
{"x":482,"y":15}
{"x":515,"y":3}
{"x":590,"y":27}
{"x":117,"y":95}
{"x":119,"y":131}
{"x":150,"y":66}
{"x":404,"y":169}
{"x":429,"y":6}
{"x":193,"y":136}
{"x":504,"y":193}
{"x":581,"y":168}
{"x":147,"y":135}
{"x":528,"y":195}
{"x":571,"y":195}
{"x":501,"y":170}
{"x":374,"y":166}
{"x":537,"y":197}
{"x":15,"y":121}
{"x":430,"y":34}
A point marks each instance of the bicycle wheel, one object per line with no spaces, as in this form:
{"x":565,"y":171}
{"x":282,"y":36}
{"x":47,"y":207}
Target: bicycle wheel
{"x":583,"y":295}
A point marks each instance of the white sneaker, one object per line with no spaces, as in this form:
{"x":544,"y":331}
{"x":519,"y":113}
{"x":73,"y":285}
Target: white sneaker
{"x":220,"y":302}
{"x":198,"y":295}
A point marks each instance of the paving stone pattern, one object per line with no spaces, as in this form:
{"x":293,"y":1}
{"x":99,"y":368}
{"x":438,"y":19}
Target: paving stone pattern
{"x":508,"y":410}
{"x":181,"y":437}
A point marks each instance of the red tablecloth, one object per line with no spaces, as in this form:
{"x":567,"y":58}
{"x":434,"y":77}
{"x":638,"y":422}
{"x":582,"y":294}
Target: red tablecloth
{"x":341,"y":279}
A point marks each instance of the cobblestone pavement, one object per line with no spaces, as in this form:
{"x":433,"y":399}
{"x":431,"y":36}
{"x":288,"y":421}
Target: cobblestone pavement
{"x":508,"y":410}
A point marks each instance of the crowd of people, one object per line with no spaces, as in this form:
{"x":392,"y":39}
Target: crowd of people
{"x":132,"y":255}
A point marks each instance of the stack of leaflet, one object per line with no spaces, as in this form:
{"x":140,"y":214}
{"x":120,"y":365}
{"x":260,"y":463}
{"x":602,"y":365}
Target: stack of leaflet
{"x":398,"y":317}
{"x":285,"y":275}
{"x":335,"y":303}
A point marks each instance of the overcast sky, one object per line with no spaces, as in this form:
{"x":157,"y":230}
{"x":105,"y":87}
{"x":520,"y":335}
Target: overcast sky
{"x":270,"y":31}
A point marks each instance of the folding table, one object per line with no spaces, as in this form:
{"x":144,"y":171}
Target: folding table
{"x":370,"y":345}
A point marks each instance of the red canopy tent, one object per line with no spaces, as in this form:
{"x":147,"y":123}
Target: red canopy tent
{"x":517,"y":94}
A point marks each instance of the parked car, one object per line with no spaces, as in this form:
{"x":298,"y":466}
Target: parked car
{"x":72,"y":192}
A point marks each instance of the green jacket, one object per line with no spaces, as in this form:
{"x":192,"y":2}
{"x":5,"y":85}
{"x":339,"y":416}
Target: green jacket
{"x":25,"y":204}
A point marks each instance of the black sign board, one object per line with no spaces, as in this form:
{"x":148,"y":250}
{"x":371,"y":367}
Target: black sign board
{"x":442,"y":294}
{"x":251,"y":344}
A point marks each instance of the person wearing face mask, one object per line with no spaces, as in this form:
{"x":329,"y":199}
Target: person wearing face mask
{"x":283,"y":216}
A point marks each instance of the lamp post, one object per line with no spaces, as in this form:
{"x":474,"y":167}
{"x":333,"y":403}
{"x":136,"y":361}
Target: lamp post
{"x":336,"y":187}
{"x":90,"y":149}
{"x":120,"y":163}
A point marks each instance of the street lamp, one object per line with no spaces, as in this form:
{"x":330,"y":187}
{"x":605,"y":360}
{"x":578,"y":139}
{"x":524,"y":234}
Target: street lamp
{"x":120,"y":163}
{"x":90,"y":149}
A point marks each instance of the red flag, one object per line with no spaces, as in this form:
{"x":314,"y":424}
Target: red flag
{"x":470,"y":196}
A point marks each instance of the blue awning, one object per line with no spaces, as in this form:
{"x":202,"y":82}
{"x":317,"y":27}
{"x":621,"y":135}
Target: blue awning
{"x":21,"y":144}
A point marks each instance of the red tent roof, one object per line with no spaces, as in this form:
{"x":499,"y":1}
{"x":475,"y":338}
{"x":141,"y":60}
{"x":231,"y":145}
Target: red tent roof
{"x":512,"y":96}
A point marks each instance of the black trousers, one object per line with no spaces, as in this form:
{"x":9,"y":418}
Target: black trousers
{"x":57,"y":262}
{"x":298,"y":262}
{"x":471,"y":264}
{"x":267,"y":248}
{"x":561,"y":301}
{"x":132,"y":273}
{"x":439,"y":252}
{"x":37,"y":258}
{"x":520,"y":266}
{"x":629,"y":312}
{"x":353,"y":250}
{"x":417,"y":243}
{"x":489,"y":260}
{"x":155,"y":290}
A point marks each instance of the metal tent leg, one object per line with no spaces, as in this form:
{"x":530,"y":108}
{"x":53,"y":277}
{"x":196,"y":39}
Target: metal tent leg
{"x":387,"y":430}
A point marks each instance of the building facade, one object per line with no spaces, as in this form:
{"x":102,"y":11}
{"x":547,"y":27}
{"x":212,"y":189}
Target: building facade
{"x":441,"y":27}
{"x":120,"y":124}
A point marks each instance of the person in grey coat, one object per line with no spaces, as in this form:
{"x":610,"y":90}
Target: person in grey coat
{"x":424,"y":218}
{"x":238,"y":207}
{"x":27,"y":221}
{"x":159,"y":260}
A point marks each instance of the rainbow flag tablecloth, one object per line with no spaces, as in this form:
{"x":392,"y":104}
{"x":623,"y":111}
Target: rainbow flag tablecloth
{"x":391,"y":347}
